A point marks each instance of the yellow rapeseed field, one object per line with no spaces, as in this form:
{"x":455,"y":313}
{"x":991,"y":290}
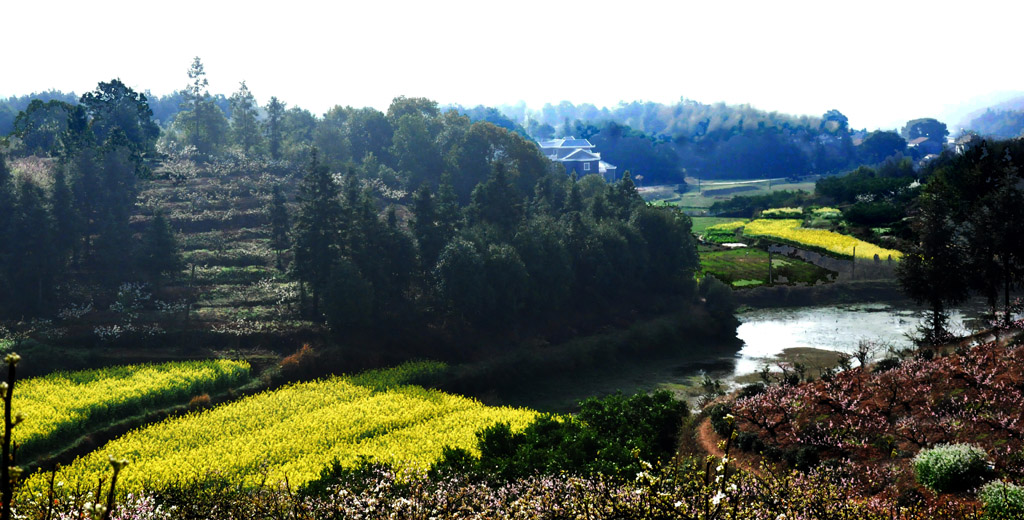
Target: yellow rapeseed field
{"x":726,"y":227}
{"x":294,"y":433}
{"x":61,"y":406}
{"x":790,"y":231}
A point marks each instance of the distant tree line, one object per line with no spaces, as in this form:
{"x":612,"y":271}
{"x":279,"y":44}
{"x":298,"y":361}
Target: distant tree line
{"x":1001,"y":124}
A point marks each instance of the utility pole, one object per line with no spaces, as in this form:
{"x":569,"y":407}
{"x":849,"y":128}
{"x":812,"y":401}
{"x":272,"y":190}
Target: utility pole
{"x":853,"y":265}
{"x":769,"y":267}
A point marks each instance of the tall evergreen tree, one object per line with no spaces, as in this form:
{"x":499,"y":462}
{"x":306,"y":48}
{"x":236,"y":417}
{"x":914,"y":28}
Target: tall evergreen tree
{"x":158,"y":254}
{"x":496,"y":202}
{"x":6,"y":217}
{"x":66,"y":222}
{"x":275,"y":116}
{"x":279,"y":224}
{"x":930,"y":272}
{"x":426,"y":228}
{"x":114,"y":210}
{"x":316,"y":230}
{"x":32,"y":266}
{"x":200,"y":119}
{"x":244,"y":126}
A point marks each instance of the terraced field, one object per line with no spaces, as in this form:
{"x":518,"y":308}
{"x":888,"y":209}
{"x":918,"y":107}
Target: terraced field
{"x":790,"y":231}
{"x":60,"y":407}
{"x":295,"y":432}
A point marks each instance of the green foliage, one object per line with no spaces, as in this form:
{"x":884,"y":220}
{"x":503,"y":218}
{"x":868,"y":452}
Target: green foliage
{"x":613,"y":436}
{"x":747,"y":206}
{"x":738,"y":265}
{"x":159,"y":254}
{"x":200,"y":120}
{"x":316,"y":229}
{"x":115,"y":108}
{"x":889,"y":182}
{"x":244,"y":126}
{"x":950,"y":468}
{"x":719,"y":414}
{"x":1002,"y":500}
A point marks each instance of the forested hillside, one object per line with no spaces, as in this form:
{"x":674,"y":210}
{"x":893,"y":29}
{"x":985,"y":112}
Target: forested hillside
{"x":372,"y":227}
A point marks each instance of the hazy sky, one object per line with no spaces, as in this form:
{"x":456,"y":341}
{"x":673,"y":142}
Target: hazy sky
{"x":880,"y":63}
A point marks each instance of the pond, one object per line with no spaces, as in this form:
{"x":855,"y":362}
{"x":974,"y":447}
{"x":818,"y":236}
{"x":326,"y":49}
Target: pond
{"x":766,"y":333}
{"x":810,"y":334}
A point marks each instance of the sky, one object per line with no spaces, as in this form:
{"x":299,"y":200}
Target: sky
{"x":881,"y":63}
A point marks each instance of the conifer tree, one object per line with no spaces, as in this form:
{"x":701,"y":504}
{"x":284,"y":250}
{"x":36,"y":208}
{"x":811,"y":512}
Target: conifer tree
{"x":275,"y":115}
{"x":244,"y":127}
{"x":316,"y":230}
{"x":158,"y":254}
{"x":279,"y":223}
{"x":426,"y":227}
{"x":66,"y":224}
{"x":31,"y":269}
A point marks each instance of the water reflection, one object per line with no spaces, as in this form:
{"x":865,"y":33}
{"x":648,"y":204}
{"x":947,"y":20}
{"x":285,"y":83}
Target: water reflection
{"x":767,"y":332}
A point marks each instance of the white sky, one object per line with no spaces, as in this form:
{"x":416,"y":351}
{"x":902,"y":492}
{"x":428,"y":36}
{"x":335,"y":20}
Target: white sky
{"x":880,"y":63}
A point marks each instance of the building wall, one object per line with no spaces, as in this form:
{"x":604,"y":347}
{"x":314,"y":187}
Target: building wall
{"x":579,"y":167}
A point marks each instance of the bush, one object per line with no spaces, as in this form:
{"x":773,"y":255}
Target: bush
{"x":952,"y":467}
{"x":1002,"y":500}
{"x":717,"y":415}
{"x":610,"y":436}
{"x":199,"y":402}
{"x":886,"y":364}
{"x":303,"y":364}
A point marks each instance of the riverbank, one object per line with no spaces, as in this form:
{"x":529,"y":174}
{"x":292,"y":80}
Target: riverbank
{"x":846,"y":292}
{"x":553,"y":378}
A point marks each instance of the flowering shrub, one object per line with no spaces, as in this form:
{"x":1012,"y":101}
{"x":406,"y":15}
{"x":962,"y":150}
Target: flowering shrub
{"x":1002,"y":500}
{"x":973,"y":396}
{"x":952,"y":467}
{"x":827,"y":213}
{"x":691,"y":490}
{"x":782,"y":213}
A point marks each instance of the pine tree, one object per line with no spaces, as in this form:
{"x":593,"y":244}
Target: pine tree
{"x":316,"y":230}
{"x":66,"y":223}
{"x":275,"y":113}
{"x":31,"y":269}
{"x":6,"y":217}
{"x":159,"y":254}
{"x":279,"y":224}
{"x":244,"y":127}
{"x":427,"y":228}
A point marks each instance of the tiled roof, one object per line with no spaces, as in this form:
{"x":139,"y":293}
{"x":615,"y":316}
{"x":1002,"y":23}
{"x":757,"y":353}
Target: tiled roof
{"x":582,"y":155}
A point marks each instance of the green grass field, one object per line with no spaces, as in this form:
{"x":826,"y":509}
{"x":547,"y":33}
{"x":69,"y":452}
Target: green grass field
{"x":696,"y":201}
{"x":701,"y":224}
{"x":748,"y":267}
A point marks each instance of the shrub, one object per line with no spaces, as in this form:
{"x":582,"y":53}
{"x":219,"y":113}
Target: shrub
{"x":199,"y":401}
{"x":1002,"y":500}
{"x":885,"y":364}
{"x":751,"y":390}
{"x":617,"y":436}
{"x":952,"y":467}
{"x":717,"y":414}
{"x":302,"y":364}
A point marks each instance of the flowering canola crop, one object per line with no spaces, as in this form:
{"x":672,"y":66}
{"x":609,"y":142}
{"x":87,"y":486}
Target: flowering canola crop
{"x":789,"y":231}
{"x":61,"y":406}
{"x":295,"y":432}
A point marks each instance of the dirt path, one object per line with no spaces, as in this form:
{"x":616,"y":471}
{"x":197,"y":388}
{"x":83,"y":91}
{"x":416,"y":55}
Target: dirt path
{"x":708,"y":441}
